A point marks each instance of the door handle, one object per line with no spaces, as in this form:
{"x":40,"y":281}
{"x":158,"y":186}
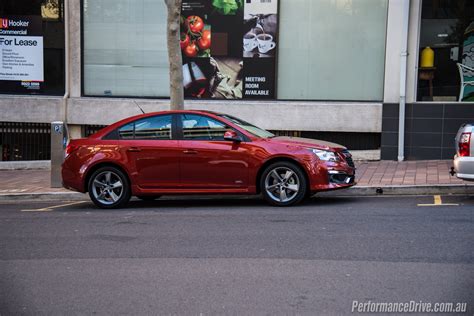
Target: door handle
{"x":190,"y":152}
{"x":133,"y":149}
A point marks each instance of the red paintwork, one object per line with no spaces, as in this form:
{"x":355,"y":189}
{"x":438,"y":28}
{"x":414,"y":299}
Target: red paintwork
{"x":196,"y":166}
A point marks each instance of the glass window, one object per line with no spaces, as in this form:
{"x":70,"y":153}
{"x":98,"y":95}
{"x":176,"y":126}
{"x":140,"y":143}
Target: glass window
{"x":446,"y":52}
{"x":199,"y":127}
{"x":157,"y":127}
{"x":332,"y":49}
{"x":126,"y":132}
{"x":252,"y":129}
{"x":39,"y":67}
{"x":125,"y":52}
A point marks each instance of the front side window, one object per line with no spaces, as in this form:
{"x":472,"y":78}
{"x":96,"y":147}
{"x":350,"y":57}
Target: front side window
{"x":200,"y":127}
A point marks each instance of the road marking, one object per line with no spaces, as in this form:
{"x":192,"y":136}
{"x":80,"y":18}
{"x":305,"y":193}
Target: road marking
{"x":13,"y":191}
{"x":438,"y":202}
{"x":50,"y":208}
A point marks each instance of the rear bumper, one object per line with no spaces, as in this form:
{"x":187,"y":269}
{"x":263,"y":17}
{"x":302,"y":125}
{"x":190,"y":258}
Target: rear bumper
{"x":72,"y":179}
{"x":464,"y":167}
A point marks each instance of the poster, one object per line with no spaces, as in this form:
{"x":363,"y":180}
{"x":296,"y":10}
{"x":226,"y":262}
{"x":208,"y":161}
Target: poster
{"x":21,"y":53}
{"x":229,"y":48}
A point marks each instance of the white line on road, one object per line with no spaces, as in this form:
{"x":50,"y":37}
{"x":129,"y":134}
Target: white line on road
{"x":50,"y":208}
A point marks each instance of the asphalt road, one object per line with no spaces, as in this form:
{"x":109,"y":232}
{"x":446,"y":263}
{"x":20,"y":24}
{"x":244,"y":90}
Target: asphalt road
{"x":187,"y":257}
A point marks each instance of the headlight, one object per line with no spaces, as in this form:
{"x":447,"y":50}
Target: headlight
{"x":325,"y":155}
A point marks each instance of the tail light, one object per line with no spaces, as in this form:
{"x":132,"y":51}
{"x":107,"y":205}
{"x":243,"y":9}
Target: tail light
{"x":70,"y":148}
{"x":465,"y":145}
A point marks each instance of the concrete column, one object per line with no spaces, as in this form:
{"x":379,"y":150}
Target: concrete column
{"x":392,"y":51}
{"x":75,"y":47}
{"x":413,"y":49}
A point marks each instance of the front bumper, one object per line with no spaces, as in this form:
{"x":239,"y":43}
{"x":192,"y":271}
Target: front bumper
{"x":332,"y":176}
{"x":464,"y":167}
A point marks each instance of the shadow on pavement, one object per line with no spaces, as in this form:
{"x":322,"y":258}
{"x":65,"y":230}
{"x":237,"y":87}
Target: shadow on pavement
{"x":170,"y":204}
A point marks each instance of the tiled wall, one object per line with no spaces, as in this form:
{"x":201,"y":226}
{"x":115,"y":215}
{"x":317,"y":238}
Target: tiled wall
{"x":430,"y":129}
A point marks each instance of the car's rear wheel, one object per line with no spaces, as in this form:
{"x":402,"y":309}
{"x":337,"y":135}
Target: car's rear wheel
{"x":109,"y":188}
{"x":283,"y":184}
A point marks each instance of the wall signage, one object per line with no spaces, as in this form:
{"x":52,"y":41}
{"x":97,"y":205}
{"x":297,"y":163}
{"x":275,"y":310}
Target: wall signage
{"x":21,"y":52}
{"x":229,"y":48}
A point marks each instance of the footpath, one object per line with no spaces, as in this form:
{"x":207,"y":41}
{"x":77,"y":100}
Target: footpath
{"x":429,"y":177}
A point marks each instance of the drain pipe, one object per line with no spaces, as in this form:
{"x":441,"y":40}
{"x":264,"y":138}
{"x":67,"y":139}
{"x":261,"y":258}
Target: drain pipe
{"x":403,"y":80}
{"x":66,"y":59}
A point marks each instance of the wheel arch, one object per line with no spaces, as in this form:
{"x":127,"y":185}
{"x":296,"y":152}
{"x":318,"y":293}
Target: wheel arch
{"x":99,"y":165}
{"x":280,"y":159}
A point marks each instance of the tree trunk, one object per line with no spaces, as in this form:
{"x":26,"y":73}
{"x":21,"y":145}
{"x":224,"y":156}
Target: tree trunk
{"x":174,"y":55}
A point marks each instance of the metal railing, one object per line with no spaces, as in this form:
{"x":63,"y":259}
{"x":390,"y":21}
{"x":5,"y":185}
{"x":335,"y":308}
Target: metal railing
{"x":25,"y":141}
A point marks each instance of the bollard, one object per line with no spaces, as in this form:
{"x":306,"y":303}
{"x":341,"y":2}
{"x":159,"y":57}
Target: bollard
{"x":59,"y":139}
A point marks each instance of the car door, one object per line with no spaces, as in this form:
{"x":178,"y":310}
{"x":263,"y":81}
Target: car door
{"x":207,"y":160}
{"x":152,"y":151}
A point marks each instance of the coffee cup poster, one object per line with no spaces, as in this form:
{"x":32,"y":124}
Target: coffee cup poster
{"x":229,"y":48}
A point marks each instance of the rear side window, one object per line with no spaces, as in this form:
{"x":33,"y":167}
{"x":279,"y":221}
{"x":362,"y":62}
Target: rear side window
{"x":126,"y":132}
{"x":157,"y":127}
{"x":152,"y":128}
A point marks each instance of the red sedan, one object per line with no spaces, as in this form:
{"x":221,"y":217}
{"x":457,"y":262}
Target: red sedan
{"x":200,"y":152}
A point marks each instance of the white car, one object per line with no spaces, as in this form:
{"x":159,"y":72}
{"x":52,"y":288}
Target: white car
{"x":464,"y":158}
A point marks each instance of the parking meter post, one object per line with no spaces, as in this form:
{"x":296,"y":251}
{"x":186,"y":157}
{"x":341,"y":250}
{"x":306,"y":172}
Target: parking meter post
{"x":59,"y":140}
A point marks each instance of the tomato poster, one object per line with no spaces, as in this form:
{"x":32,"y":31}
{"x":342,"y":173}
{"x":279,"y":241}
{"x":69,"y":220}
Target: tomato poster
{"x":229,"y":48}
{"x":21,"y":53}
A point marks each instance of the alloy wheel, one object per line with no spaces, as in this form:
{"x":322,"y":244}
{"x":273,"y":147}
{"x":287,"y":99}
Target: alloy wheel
{"x":282,"y":184}
{"x":107,"y":187}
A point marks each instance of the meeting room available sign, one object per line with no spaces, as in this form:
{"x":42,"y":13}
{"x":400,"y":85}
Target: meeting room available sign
{"x":21,"y":50}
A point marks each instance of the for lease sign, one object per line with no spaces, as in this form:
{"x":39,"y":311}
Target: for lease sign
{"x":21,"y":48}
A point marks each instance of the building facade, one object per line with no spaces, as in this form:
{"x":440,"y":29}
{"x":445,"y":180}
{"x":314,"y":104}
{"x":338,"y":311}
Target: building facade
{"x":339,"y":70}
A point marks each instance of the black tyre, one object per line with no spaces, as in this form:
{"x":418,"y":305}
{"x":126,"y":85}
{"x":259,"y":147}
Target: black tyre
{"x":148,"y":197}
{"x":109,"y":188}
{"x":283,"y":184}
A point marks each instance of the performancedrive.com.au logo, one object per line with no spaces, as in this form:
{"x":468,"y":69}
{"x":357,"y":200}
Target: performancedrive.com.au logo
{"x":3,"y":23}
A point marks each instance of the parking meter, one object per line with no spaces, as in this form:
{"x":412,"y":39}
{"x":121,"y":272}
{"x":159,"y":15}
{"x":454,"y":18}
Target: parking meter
{"x":59,"y":140}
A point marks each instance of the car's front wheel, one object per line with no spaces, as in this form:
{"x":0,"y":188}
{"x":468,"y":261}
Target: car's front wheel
{"x":109,"y":188}
{"x":283,"y":184}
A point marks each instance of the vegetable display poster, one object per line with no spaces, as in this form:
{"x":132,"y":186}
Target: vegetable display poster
{"x":229,"y":48}
{"x":21,"y":53}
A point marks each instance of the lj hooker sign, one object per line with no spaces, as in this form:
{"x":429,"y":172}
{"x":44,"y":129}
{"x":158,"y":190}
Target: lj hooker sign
{"x":21,"y":51}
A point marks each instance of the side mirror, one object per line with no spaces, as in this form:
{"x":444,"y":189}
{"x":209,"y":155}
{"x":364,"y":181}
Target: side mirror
{"x":232,"y":136}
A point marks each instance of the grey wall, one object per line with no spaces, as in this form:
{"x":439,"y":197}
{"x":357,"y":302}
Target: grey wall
{"x":276,"y":115}
{"x":430,"y":129}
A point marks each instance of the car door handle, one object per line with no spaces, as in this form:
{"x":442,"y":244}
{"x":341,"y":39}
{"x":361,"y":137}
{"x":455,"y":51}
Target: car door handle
{"x":190,"y":152}
{"x":133,"y":149}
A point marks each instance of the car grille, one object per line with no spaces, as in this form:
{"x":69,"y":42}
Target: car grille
{"x":348,"y":157}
